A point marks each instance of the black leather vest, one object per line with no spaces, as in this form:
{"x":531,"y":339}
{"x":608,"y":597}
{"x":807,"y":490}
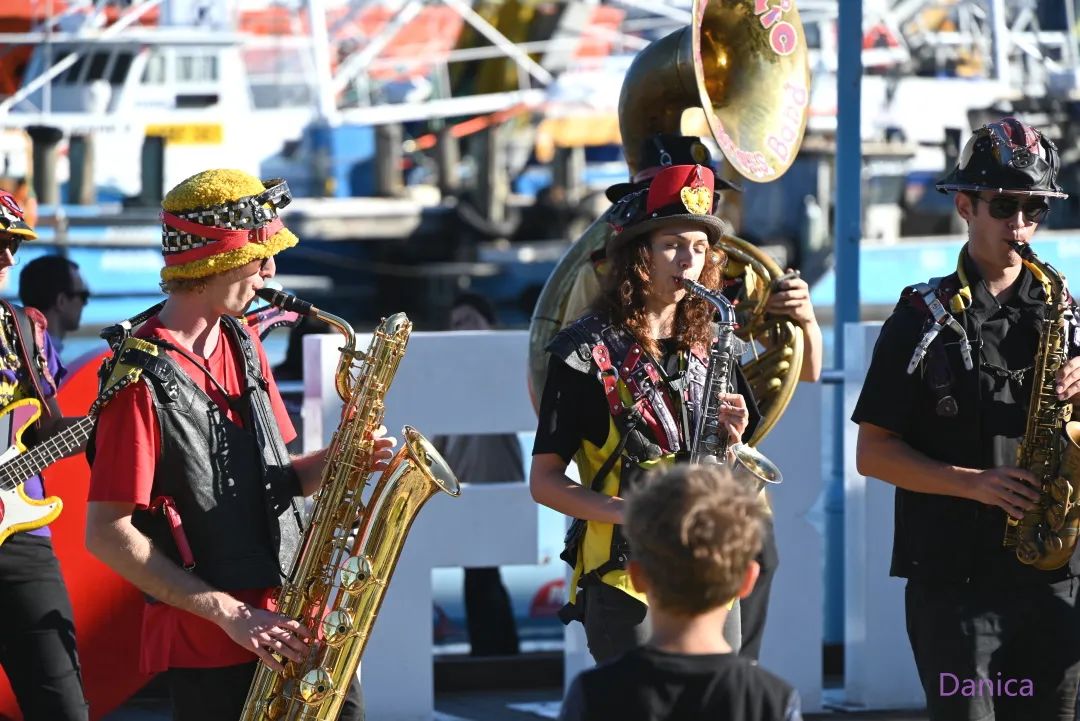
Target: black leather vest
{"x":575,"y":346}
{"x":234,"y":488}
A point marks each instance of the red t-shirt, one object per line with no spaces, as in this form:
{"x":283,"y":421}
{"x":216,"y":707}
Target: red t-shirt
{"x":123,"y":472}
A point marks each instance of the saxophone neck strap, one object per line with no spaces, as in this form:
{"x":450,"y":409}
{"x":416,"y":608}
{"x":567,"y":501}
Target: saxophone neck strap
{"x":926,"y":295}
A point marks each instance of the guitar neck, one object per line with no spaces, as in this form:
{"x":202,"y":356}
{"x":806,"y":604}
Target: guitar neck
{"x":27,"y":465}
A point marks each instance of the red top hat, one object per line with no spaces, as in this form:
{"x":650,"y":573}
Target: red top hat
{"x":677,"y":194}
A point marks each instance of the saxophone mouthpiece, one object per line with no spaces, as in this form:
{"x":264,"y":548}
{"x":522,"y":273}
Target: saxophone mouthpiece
{"x":285,"y":301}
{"x":1022,"y":249}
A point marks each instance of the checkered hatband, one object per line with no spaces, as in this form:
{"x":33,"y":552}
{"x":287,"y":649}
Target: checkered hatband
{"x":244,"y":214}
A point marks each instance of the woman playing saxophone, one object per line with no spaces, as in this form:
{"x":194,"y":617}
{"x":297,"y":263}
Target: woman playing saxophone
{"x":624,"y":390}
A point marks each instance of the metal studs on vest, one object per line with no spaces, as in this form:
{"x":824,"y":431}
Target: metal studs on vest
{"x":947,"y":407}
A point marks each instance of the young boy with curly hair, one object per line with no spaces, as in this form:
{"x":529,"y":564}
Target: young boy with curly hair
{"x":693,"y":532}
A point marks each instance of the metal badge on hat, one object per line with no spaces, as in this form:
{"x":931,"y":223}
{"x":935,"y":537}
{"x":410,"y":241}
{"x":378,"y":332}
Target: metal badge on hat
{"x":696,"y":197}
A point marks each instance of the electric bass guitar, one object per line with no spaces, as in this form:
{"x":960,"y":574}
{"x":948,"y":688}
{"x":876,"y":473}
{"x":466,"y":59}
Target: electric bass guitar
{"x":18,"y":512}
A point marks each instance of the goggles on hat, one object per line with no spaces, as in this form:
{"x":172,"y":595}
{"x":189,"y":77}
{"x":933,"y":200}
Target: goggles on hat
{"x":236,"y":222}
{"x":1003,"y":207}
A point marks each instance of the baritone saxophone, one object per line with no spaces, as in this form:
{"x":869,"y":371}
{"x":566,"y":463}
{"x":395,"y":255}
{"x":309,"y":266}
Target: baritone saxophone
{"x":351,"y":547}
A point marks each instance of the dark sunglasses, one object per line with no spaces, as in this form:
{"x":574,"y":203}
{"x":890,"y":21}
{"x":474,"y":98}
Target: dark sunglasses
{"x":83,"y":295}
{"x":1005,"y":206}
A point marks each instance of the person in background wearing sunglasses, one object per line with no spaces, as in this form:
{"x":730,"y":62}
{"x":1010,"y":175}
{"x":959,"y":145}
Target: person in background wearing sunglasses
{"x":37,"y":638}
{"x":54,"y":285}
{"x":944,"y":428}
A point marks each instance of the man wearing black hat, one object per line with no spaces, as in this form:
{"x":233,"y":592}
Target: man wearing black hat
{"x":624,"y":385}
{"x":943,"y":411}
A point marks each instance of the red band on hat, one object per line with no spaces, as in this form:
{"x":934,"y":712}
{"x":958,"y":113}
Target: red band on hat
{"x":225,"y":239}
{"x":668,"y":184}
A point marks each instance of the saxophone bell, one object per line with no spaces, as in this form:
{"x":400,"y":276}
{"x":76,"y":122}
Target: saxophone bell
{"x":750,"y":465}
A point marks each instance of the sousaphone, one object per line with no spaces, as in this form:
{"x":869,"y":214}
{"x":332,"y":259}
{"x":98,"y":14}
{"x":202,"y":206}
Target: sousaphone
{"x":744,"y":63}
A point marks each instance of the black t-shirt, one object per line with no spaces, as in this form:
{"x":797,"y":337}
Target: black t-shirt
{"x":651,"y":685}
{"x":573,"y":407}
{"x":944,"y":537}
{"x":1004,"y":338}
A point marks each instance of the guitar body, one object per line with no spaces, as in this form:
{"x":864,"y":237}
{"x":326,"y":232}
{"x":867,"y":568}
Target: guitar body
{"x":19,"y":512}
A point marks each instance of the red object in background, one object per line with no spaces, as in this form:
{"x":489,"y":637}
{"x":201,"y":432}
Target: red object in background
{"x":108,"y":610}
{"x":548,"y":599}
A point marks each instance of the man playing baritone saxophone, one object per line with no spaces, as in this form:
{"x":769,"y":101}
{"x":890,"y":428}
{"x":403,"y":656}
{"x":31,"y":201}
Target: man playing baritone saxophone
{"x":624,"y":385}
{"x":203,"y":436}
{"x":941,"y":418}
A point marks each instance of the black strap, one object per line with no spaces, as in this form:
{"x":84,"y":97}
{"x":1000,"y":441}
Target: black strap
{"x":24,"y":330}
{"x":117,"y":333}
{"x":633,"y":418}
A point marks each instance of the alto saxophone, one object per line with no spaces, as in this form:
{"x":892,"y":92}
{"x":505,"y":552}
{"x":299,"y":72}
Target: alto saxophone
{"x":350,"y":549}
{"x":1046,"y":536}
{"x":710,"y":442}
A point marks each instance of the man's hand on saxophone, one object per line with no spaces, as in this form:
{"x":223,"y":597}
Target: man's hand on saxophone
{"x":310,"y":468}
{"x":266,"y":634}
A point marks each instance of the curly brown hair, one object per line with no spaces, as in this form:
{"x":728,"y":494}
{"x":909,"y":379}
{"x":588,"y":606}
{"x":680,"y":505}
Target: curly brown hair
{"x":694,"y":530}
{"x":627,"y":285}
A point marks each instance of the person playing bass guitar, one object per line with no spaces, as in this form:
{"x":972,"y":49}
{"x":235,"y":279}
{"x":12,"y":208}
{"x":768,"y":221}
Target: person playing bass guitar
{"x":37,"y":640}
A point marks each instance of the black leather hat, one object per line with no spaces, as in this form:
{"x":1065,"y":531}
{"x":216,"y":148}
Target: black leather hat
{"x":1006,"y":156}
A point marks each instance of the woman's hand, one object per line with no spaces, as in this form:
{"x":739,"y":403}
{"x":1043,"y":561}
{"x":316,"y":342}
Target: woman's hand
{"x":733,"y":415}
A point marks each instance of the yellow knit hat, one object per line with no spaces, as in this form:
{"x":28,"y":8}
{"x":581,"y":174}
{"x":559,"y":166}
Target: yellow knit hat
{"x":218,"y":220}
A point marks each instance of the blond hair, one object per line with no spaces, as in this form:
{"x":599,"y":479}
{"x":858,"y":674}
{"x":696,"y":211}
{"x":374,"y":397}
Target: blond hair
{"x":694,"y":531}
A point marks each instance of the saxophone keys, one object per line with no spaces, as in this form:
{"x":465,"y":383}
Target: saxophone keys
{"x":1054,"y":543}
{"x":275,"y":707}
{"x":355,"y":573}
{"x":314,"y":686}
{"x":1055,"y":517}
{"x":337,"y":627}
{"x":1027,"y":552}
{"x":1060,"y":490}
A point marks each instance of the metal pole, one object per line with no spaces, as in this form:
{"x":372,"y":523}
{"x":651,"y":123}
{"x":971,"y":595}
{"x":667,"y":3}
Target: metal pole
{"x":846,"y":237}
{"x":848,"y":170}
{"x":320,"y":58}
{"x":500,"y":41}
{"x":1070,"y":34}
{"x":999,"y":36}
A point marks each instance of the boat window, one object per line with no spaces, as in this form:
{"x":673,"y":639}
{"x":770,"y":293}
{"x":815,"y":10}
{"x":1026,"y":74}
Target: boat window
{"x":154,"y":73}
{"x":98,"y":61}
{"x":120,"y":68}
{"x":196,"y":68}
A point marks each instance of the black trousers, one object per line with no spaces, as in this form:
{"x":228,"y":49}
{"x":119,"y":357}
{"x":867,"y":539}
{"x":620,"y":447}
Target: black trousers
{"x":37,"y":635}
{"x":488,"y":614}
{"x":615,"y":622}
{"x":755,"y":607}
{"x":1023,"y":643}
{"x":218,"y":694}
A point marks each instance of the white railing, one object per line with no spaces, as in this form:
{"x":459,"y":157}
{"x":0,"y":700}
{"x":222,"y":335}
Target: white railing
{"x":879,"y":671}
{"x":476,"y":383}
